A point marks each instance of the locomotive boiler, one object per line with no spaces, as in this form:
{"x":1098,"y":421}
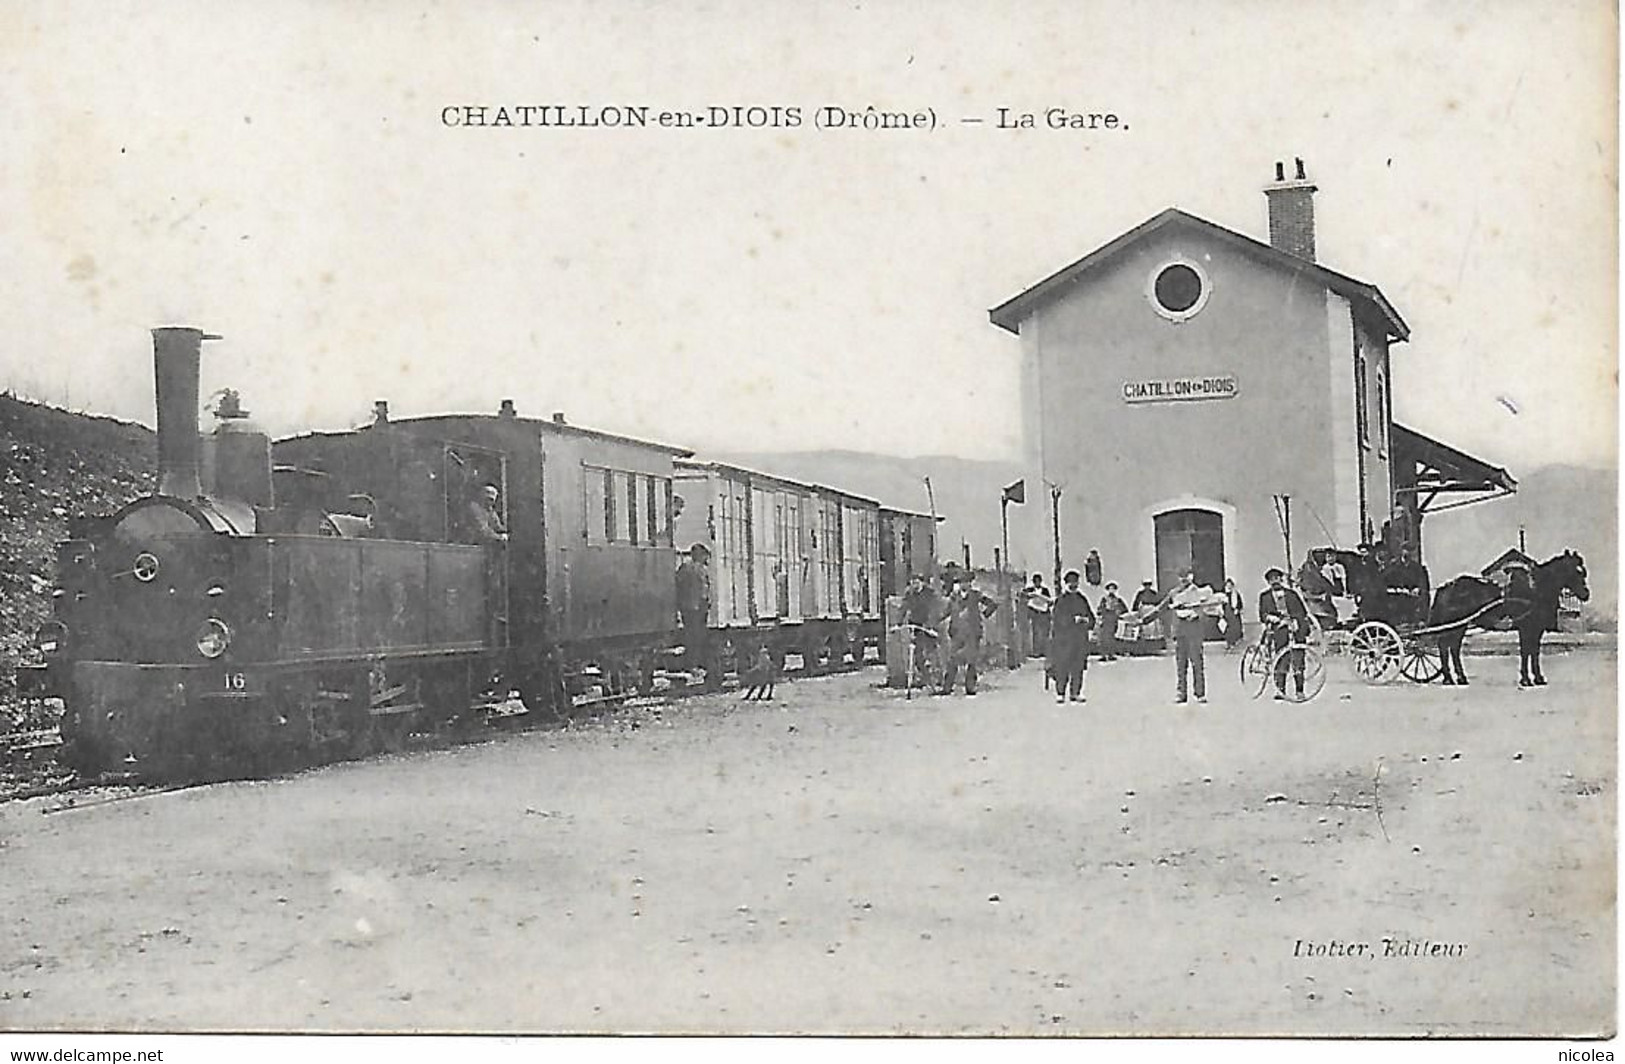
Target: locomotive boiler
{"x":242,"y":613}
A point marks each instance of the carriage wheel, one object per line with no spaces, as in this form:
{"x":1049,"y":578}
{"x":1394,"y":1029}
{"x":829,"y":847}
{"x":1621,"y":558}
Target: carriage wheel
{"x":1255,"y":669}
{"x":1375,"y":650}
{"x":1314,"y":672}
{"x":1421,"y":661}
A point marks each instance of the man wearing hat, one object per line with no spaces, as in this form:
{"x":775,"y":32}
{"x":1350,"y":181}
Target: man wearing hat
{"x":1147,"y":603}
{"x":968,"y":610}
{"x":1111,"y":611}
{"x":694,"y":609}
{"x":1069,"y":641}
{"x":1188,"y":602}
{"x":1285,"y":618}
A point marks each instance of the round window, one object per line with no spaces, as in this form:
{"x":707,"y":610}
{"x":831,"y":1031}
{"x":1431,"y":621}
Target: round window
{"x":1178,"y":289}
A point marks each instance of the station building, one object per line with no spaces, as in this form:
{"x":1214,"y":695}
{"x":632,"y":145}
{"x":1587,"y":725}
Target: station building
{"x":1193,"y":397}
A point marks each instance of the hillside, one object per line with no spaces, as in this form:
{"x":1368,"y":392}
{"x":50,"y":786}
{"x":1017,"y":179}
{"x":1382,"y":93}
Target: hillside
{"x":55,"y":464}
{"x":1560,"y":507}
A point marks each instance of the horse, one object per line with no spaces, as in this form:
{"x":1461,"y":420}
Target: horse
{"x":1470,"y":597}
{"x":1566,"y":572}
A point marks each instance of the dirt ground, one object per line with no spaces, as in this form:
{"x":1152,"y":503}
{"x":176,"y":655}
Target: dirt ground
{"x":846,"y":861}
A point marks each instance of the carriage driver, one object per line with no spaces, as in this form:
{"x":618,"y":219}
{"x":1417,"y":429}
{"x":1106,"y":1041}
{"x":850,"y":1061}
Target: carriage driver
{"x":1286,"y":621}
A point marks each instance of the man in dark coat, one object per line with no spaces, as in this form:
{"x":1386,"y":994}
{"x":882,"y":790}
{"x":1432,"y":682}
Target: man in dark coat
{"x":1072,"y":620}
{"x":922,"y":612}
{"x":694,"y":608}
{"x":1112,"y":609}
{"x":1285,"y":618}
{"x":968,"y":609}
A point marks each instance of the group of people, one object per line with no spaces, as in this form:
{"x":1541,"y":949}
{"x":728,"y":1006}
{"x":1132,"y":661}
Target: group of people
{"x":1066,"y":628}
{"x":947,"y":626}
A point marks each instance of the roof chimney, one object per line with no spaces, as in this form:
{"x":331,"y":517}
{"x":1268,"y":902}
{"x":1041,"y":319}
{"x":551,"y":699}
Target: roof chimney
{"x":508,"y":409}
{"x":1292,"y":212}
{"x":176,"y":353}
{"x":558,"y":417}
{"x":380,"y":412}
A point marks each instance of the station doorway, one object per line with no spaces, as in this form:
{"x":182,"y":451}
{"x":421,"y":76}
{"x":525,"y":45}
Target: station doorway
{"x":1191,"y":539}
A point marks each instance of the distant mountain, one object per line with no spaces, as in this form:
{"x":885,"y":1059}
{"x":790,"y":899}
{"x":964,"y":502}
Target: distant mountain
{"x":1560,"y":507}
{"x":966,"y":490}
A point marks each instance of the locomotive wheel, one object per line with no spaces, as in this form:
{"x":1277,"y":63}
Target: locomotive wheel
{"x":445,"y":693}
{"x":1375,"y":650}
{"x":1421,"y":661}
{"x":544,"y":693}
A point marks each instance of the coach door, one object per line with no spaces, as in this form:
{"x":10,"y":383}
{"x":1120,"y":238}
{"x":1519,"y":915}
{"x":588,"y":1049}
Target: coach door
{"x":1194,"y":540}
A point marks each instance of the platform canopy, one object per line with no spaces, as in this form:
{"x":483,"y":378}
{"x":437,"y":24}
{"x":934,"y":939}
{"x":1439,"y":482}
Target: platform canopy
{"x":1443,"y":477}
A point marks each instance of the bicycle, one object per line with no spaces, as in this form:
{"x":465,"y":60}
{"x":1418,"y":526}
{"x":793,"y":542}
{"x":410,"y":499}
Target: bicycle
{"x":1260,"y":665}
{"x":925,"y":656}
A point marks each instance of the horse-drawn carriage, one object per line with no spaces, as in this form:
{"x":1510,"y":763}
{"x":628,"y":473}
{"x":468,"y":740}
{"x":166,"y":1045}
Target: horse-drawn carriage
{"x":1384,"y":617}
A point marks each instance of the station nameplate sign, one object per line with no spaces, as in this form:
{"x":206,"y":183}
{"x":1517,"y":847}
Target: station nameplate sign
{"x":1178,"y":389}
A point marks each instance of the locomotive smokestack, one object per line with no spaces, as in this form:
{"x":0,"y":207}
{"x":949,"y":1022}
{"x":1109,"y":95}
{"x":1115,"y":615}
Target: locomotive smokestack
{"x":176,"y":352}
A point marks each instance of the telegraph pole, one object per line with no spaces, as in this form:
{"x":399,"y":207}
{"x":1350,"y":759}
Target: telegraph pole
{"x":1055,"y":531}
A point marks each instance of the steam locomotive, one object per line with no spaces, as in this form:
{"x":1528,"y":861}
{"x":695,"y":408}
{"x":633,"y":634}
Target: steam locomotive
{"x":327,"y":595}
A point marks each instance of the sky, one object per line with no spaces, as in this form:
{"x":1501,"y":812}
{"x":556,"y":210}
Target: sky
{"x":279,"y":173}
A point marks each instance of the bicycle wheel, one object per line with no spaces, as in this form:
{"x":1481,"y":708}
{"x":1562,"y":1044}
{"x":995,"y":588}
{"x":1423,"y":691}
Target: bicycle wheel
{"x":1314,"y":672}
{"x":1255,"y":669}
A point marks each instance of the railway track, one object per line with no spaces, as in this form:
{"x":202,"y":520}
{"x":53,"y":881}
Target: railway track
{"x":28,"y":768}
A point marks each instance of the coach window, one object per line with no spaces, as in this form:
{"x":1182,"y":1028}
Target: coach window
{"x":620,"y":494}
{"x":609,"y":507}
{"x":592,"y":504}
{"x":663,"y":499}
{"x":650,"y":519}
{"x":634,"y":509}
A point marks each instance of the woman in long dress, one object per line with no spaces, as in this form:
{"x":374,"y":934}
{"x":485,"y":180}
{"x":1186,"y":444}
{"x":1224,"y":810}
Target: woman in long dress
{"x":1233,"y":605}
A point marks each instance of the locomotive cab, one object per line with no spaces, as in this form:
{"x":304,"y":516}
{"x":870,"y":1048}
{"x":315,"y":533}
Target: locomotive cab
{"x":213,"y":619}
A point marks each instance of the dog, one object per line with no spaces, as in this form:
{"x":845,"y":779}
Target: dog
{"x":760,"y":677}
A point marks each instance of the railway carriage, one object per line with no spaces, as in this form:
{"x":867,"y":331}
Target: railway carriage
{"x":338,"y":598}
{"x":908,"y":547}
{"x":793,"y":566}
{"x":330,"y":593}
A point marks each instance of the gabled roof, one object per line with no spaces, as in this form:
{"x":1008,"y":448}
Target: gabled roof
{"x":1513,"y":554}
{"x":1010,"y":314}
